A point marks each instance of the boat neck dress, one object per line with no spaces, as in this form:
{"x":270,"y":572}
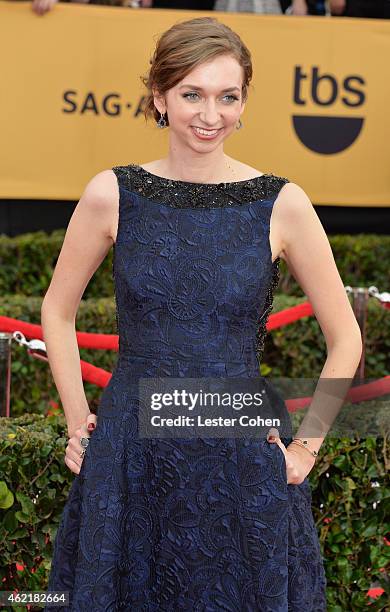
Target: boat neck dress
{"x":200,"y":525}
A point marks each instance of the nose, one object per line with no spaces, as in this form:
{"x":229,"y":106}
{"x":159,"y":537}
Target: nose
{"x":209,"y":115}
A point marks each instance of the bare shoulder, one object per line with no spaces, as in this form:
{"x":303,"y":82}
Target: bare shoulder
{"x":250,"y":172}
{"x":101,"y":196}
{"x":292,"y":200}
{"x":102,"y":189}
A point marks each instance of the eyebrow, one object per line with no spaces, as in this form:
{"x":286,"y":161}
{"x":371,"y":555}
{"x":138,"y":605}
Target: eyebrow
{"x":200,"y":89}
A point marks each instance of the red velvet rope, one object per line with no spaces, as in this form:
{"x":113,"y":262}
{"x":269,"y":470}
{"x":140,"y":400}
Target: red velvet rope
{"x":101,"y":378}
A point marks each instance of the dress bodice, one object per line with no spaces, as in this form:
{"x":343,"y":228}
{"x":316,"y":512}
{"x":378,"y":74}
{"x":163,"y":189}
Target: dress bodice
{"x":192,"y":266}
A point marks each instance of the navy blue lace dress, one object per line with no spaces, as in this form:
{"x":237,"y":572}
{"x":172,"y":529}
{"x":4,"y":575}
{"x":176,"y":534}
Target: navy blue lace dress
{"x":167,"y":525}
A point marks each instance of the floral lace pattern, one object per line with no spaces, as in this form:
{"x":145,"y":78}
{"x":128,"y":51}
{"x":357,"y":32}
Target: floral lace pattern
{"x":160,"y":525}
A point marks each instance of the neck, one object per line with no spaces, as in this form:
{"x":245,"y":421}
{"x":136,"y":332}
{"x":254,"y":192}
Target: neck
{"x":205,"y":168}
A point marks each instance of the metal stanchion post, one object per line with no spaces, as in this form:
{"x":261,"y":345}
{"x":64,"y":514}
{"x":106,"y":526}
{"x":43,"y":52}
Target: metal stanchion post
{"x":5,"y":374}
{"x":360,"y":297}
{"x":360,"y":300}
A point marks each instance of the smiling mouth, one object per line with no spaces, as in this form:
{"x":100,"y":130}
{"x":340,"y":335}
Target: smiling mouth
{"x":206,"y":132}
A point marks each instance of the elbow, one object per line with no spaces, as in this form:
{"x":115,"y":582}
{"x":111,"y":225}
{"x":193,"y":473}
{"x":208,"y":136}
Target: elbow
{"x":354,"y":336}
{"x":357,"y":344}
{"x":350,"y":340}
{"x":356,"y":340}
{"x":45,"y":311}
{"x":45,"y":306}
{"x":51,"y":308}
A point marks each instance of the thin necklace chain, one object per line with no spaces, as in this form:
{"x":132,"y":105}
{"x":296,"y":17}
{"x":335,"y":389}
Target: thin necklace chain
{"x":232,"y":169}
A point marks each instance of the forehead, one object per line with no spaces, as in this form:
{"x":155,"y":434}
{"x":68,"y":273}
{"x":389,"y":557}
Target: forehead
{"x":221,"y":72}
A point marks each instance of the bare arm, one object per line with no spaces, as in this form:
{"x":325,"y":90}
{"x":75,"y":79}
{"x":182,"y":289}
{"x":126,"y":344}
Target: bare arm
{"x":87,"y":240}
{"x":308,"y":254}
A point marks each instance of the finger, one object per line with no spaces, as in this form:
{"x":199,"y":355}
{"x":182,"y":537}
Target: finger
{"x":74,"y":467}
{"x":273,"y":433}
{"x":80,"y":446}
{"x":74,"y":447}
{"x":282,"y":447}
{"x":75,"y":457}
{"x":74,"y":442}
{"x":85,"y":428}
{"x":82,"y":430}
{"x":91,"y":422}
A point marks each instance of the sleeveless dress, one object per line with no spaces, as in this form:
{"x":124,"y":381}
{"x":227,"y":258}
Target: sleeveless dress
{"x":200,"y":525}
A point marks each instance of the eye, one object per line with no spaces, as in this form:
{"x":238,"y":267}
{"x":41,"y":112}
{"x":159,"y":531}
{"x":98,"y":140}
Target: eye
{"x":192,"y":93}
{"x":187,"y":95}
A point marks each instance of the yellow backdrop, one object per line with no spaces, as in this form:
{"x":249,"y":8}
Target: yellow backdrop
{"x":71,"y":99}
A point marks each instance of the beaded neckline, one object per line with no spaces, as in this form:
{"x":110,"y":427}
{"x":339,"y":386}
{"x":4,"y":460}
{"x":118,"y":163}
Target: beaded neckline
{"x":180,"y":182}
{"x":184,"y":194}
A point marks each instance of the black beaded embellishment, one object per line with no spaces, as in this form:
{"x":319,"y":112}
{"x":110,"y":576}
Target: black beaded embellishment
{"x":268,"y":306}
{"x":183,"y":194}
{"x":115,"y":296}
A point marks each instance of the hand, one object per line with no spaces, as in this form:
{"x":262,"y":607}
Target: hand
{"x":72,"y":454}
{"x":337,"y":7}
{"x":40,"y":7}
{"x":299,"y":7}
{"x":298,"y":461}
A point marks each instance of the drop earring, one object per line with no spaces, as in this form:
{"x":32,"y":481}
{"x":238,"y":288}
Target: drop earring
{"x":162,"y":123}
{"x":240,"y":124}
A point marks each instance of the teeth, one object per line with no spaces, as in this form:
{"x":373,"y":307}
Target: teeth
{"x":206,"y":132}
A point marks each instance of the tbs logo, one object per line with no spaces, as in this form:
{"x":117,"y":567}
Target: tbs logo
{"x":327,"y":134}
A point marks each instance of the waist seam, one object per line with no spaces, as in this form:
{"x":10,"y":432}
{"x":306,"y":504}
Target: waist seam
{"x":128,"y":355}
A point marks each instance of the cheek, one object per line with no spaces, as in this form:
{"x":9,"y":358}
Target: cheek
{"x":183,"y":114}
{"x":232,"y":117}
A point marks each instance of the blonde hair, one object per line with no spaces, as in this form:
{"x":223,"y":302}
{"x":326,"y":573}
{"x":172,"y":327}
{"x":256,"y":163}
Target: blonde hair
{"x":186,"y":45}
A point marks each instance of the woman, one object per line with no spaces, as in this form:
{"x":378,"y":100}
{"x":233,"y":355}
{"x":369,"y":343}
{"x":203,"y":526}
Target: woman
{"x":215,"y":523}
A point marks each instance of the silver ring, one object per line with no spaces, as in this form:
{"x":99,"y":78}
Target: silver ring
{"x":84,"y":442}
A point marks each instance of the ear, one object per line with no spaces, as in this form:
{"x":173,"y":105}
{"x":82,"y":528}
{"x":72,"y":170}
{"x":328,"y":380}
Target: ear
{"x":242,"y":107}
{"x":159,"y":101}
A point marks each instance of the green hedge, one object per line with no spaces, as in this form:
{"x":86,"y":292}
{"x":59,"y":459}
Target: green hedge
{"x":32,"y":385}
{"x":27,"y":263}
{"x":298,"y":348}
{"x":349,"y":477}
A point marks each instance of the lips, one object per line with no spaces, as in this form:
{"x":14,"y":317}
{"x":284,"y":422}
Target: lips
{"x":207,"y":135}
{"x":206,"y":129}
